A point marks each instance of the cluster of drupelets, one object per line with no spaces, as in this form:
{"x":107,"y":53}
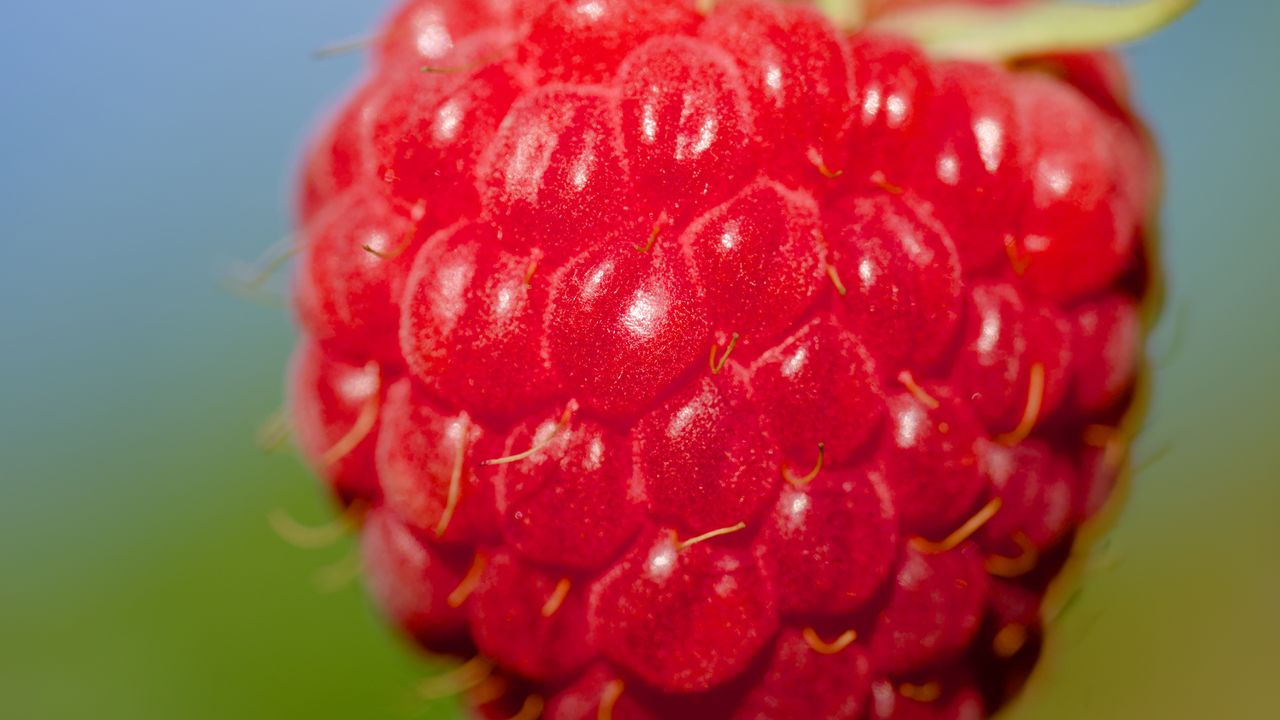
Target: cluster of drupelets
{"x":685,"y":365}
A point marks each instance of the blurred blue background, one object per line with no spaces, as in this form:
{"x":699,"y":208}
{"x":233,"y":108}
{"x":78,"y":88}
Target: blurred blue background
{"x":145,"y":146}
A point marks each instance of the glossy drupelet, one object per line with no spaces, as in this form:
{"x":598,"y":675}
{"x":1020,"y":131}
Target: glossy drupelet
{"x":727,"y":365}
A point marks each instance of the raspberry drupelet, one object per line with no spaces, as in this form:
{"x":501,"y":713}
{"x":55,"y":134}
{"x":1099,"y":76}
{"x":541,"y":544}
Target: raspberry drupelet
{"x":743,"y":359}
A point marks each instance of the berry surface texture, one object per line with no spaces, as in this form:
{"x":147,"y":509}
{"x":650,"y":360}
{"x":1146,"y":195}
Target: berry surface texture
{"x":746,"y":359}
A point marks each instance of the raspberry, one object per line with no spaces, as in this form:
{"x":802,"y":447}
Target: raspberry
{"x":970,"y":145}
{"x":700,"y":458}
{"x":683,"y":616}
{"x":833,"y":539}
{"x":572,"y":503}
{"x":821,"y":389}
{"x":470,"y":316}
{"x":739,"y":359}
{"x":673,"y":90}
{"x":933,"y":610}
{"x":802,"y":683}
{"x":400,"y":565}
{"x":512,"y":623}
{"x":903,"y":288}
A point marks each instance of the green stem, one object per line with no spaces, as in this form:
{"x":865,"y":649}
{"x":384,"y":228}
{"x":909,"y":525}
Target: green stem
{"x":988,"y":33}
{"x":847,"y":14}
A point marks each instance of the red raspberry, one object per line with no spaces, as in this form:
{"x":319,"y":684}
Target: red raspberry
{"x":684,"y":616}
{"x":723,"y":359}
{"x":400,"y":564}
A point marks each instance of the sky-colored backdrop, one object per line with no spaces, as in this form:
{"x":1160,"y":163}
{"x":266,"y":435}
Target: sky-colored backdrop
{"x":147,"y":144}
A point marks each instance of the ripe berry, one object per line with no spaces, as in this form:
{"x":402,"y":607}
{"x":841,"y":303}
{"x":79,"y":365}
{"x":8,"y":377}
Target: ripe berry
{"x":931,"y":449}
{"x":683,"y":616}
{"x":623,"y":325}
{"x":686,"y":125}
{"x":573,"y":503}
{"x":795,"y":63}
{"x":423,"y":136}
{"x":972,"y":173}
{"x":821,"y":394}
{"x":897,"y":276}
{"x":411,"y":579}
{"x":725,"y":359}
{"x":354,"y":274}
{"x":1012,"y":355}
{"x":803,"y":682}
{"x":833,"y":539}
{"x":764,"y":243}
{"x":892,"y":94}
{"x":1034,"y":485}
{"x":473,"y":328}
{"x":428,"y":466}
{"x":1079,"y":228}
{"x":933,"y":610}
{"x":335,"y":409}
{"x":700,"y":456}
{"x":522,"y":619}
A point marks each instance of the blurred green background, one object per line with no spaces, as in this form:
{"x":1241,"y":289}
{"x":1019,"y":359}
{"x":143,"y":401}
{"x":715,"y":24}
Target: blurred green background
{"x":147,"y":145}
